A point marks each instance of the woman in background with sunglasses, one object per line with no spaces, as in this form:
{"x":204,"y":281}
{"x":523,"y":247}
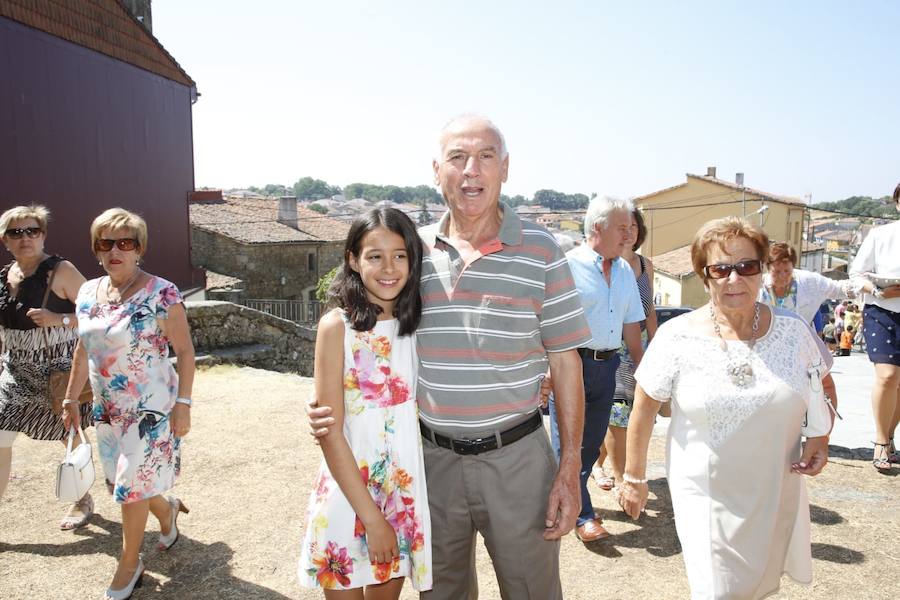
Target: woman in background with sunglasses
{"x":142,"y":406}
{"x":35,"y":340}
{"x":738,"y":374}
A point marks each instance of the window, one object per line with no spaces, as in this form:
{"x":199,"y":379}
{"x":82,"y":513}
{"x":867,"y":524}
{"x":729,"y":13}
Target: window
{"x":311,"y":262}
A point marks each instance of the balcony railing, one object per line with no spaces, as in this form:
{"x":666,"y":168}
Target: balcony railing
{"x":306,"y":313}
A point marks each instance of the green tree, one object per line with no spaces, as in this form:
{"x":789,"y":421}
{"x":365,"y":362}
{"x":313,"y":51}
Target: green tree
{"x":324,"y":283}
{"x":308,"y":188}
{"x":318,"y":208}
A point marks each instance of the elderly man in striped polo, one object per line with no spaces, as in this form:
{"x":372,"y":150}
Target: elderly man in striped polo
{"x":499,"y":306}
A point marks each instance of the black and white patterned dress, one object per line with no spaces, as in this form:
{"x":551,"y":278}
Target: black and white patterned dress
{"x":25,"y":360}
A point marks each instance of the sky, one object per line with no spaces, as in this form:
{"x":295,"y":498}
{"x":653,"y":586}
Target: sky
{"x":614,"y":98}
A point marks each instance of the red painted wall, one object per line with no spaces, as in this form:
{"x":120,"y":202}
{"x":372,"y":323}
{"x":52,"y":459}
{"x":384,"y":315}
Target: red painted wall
{"x":81,"y":132}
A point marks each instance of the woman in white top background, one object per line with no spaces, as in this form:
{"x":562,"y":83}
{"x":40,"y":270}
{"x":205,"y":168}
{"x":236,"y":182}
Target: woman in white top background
{"x":797,"y":290}
{"x":877,"y":268}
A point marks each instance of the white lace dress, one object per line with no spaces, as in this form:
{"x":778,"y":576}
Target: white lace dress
{"x":742,"y":516}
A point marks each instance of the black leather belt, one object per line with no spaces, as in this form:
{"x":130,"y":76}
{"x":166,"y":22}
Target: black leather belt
{"x":597,"y":354}
{"x":484,"y":444}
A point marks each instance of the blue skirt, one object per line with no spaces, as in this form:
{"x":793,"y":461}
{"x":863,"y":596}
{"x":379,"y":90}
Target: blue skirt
{"x":882,"y":330}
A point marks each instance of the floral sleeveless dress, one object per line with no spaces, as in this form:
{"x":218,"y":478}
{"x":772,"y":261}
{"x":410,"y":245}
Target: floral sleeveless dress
{"x":134,"y":385}
{"x":382,"y":427}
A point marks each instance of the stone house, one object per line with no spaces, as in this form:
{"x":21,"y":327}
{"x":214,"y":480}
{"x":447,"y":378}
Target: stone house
{"x":276,"y":249}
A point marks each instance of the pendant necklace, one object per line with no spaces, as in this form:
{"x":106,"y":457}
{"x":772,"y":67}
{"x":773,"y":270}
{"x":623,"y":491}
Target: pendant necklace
{"x":121,"y":289}
{"x":740,"y":372}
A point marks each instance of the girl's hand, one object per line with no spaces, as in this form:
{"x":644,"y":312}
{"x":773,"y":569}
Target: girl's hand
{"x":180,"y":419}
{"x":382,"y":542}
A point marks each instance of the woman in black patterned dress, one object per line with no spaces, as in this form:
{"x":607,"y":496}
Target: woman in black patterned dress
{"x":26,"y":360}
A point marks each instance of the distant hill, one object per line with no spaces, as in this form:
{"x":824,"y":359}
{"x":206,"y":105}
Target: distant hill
{"x":864,"y":206}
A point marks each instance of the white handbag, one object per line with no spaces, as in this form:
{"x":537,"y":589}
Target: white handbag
{"x":819,"y":419}
{"x":75,"y":476}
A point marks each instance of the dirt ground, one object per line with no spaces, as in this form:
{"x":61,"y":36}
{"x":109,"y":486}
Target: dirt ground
{"x":248,"y":466}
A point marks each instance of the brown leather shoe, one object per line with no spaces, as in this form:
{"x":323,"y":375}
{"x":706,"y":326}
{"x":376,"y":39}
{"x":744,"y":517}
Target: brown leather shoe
{"x":591,"y":531}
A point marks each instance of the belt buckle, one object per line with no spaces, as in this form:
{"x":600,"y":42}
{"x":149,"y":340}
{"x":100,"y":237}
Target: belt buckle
{"x":476,"y":446}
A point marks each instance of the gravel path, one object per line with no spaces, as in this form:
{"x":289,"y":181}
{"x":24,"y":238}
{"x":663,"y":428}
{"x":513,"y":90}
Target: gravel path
{"x":248,"y":466}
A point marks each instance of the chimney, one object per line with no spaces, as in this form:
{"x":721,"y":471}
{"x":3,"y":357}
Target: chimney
{"x":739,"y":179}
{"x":287,"y":211}
{"x":142,"y":12}
{"x":711,"y":172}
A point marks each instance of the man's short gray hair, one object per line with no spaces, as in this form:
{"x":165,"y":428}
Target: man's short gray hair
{"x":600,"y":208}
{"x":470,"y":117}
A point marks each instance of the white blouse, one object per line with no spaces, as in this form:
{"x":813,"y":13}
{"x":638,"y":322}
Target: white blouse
{"x":880,"y":255}
{"x":812,"y":290}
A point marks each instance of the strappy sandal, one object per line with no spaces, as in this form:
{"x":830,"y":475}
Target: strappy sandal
{"x":603,"y":481}
{"x":893,"y":456}
{"x":882,"y":464}
{"x":86,"y":506}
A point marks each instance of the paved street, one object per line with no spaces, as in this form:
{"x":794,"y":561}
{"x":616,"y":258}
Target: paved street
{"x":853,"y":376}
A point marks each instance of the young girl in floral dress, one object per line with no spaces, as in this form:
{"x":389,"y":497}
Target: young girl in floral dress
{"x":368,"y":524}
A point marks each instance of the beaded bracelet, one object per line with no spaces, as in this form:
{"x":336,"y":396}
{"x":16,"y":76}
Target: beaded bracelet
{"x":630,"y":479}
{"x":67,"y":401}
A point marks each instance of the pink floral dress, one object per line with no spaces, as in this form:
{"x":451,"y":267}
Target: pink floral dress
{"x":134,"y":385}
{"x":382,"y":427}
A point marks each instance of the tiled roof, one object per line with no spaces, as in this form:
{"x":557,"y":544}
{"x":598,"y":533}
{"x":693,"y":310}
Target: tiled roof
{"x":675,"y":262}
{"x":837,"y":236}
{"x":255,"y":222}
{"x":731,"y":186}
{"x":749,"y":190}
{"x":812,"y":246}
{"x":105,"y":26}
{"x":218,"y":281}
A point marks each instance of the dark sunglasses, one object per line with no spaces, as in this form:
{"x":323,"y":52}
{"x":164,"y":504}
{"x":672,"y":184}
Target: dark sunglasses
{"x":18,"y":232}
{"x":123,"y":244}
{"x":745,"y":268}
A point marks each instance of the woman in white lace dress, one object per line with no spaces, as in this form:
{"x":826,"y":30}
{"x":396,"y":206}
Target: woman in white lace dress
{"x":738,"y":375}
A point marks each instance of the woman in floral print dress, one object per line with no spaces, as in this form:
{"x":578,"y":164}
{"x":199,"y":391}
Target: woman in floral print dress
{"x":368,"y":523}
{"x":126,"y":321}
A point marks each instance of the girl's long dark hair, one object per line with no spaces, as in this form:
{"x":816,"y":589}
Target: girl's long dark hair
{"x":347,"y":290}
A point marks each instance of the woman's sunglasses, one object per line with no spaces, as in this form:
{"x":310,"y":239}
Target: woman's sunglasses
{"x":17,"y":232}
{"x":123,"y":244}
{"x":745,"y":268}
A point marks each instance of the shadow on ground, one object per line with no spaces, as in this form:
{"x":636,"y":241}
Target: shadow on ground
{"x":654,"y":531}
{"x":188,"y":568}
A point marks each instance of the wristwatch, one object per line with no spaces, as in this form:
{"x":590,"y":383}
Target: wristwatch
{"x":66,"y":320}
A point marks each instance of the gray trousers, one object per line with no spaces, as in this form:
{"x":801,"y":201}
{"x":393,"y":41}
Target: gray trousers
{"x":501,"y":494}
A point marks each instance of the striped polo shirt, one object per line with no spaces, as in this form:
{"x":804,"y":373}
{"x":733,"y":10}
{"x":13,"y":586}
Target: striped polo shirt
{"x":487,"y":326}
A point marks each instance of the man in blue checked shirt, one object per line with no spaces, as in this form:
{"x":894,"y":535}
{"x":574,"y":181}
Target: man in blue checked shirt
{"x":612,"y":305}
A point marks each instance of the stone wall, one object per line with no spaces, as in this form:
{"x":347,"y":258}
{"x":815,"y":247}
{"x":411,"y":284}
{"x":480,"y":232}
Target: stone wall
{"x":263,"y":267}
{"x":223,"y":332}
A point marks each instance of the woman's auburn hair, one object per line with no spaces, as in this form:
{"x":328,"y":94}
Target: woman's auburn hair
{"x":719,"y":231}
{"x":782,"y":251}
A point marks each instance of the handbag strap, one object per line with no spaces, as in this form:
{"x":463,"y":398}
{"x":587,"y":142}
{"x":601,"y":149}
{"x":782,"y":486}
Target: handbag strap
{"x":44,"y":304}
{"x":72,"y":438}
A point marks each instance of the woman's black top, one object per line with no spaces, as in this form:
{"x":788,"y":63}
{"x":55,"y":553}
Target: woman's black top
{"x":30,"y":295}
